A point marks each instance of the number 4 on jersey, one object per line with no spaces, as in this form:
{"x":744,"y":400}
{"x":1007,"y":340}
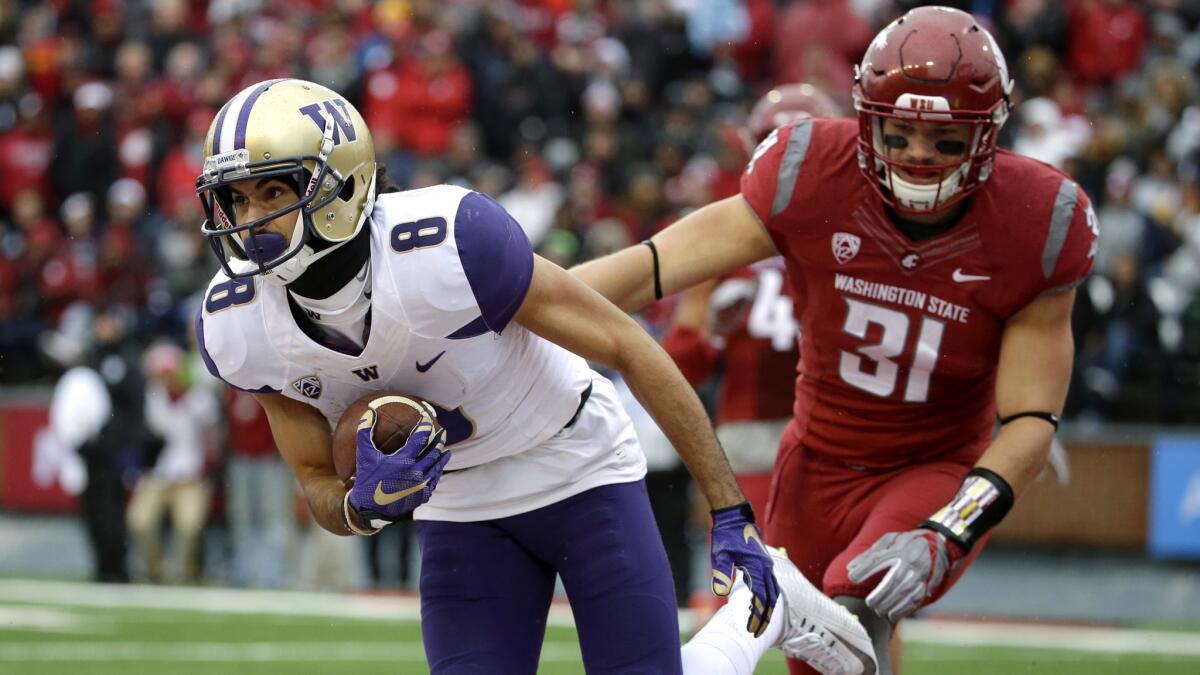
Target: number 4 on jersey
{"x":771,"y":314}
{"x":882,"y":380}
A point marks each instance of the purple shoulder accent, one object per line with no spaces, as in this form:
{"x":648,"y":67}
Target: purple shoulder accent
{"x":496,"y":256}
{"x":212,"y":367}
{"x":474,"y":329}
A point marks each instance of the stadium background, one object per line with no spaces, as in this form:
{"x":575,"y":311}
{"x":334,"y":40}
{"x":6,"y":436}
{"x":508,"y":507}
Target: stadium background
{"x":596,"y":123}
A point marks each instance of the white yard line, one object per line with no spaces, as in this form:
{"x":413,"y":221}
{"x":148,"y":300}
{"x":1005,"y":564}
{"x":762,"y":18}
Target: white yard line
{"x":1050,"y":636}
{"x":235,"y":601}
{"x":47,"y":620}
{"x":227,"y":600}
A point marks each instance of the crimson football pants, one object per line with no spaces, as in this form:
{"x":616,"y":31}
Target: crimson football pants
{"x":825,"y":513}
{"x":486,"y":587}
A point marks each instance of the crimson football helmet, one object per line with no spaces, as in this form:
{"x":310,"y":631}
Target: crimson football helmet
{"x":934,"y":64}
{"x":782,"y":105}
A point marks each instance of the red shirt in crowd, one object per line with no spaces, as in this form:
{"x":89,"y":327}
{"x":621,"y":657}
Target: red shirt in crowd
{"x":416,"y":105}
{"x":25,"y":155}
{"x":1106,"y":39}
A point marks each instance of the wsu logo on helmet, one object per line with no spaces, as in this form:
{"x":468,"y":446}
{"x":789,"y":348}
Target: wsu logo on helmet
{"x":845,"y":246}
{"x":336,"y":109}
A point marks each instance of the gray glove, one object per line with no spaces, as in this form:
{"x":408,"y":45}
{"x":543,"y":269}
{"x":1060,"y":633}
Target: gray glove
{"x":916,"y":563}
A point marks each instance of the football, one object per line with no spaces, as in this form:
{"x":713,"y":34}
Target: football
{"x":396,"y":418}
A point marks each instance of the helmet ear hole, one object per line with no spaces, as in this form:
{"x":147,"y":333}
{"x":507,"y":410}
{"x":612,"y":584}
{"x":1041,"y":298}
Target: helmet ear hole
{"x":347,"y":192}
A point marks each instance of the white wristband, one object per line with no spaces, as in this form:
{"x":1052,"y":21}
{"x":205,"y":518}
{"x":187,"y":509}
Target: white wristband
{"x":350,"y":517}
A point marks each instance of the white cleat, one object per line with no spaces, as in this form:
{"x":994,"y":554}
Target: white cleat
{"x":819,"y":631}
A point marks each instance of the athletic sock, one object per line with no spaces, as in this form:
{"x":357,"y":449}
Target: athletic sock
{"x":723,"y":646}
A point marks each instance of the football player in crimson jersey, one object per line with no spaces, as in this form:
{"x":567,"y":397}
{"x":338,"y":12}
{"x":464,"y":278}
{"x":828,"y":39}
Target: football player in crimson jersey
{"x":744,"y":322}
{"x":933,"y":278}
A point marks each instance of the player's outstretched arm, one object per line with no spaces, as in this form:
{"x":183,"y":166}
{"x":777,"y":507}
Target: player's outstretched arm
{"x":302,"y":435}
{"x":561,"y":309}
{"x":705,"y":244}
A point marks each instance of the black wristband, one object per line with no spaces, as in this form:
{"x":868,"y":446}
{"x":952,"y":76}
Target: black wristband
{"x":658,"y":293}
{"x":980,"y":504}
{"x":1049,"y":417}
{"x":746,"y":510}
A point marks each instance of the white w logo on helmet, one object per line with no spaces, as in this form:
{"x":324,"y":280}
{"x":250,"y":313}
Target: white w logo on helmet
{"x":341,"y":119}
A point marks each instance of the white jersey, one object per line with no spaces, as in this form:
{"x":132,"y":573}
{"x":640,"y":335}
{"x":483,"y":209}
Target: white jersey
{"x":449,"y":269}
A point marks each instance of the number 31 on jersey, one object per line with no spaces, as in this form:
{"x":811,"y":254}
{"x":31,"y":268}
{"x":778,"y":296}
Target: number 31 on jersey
{"x":883,"y":378}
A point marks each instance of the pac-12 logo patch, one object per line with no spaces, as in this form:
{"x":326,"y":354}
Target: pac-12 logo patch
{"x":308,"y":386}
{"x":845,"y":246}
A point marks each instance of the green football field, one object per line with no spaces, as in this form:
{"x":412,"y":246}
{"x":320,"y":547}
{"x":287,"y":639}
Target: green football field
{"x":49,"y":629}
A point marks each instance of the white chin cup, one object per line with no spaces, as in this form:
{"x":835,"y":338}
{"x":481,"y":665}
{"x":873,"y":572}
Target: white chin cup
{"x":918,"y":197}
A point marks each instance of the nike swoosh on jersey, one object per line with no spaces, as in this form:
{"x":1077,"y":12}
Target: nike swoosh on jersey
{"x":422,"y":367}
{"x":960,"y":277}
{"x":384,"y":498}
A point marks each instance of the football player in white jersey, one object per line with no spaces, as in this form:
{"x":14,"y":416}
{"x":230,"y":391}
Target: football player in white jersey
{"x":334,"y":284}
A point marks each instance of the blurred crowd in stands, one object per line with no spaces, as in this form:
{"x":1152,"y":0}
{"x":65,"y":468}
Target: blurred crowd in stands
{"x":594,"y":122}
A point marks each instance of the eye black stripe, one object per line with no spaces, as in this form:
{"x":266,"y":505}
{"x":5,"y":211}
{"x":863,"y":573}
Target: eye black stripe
{"x":949,"y":147}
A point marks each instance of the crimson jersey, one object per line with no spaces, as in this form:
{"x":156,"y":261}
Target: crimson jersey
{"x":759,"y":351}
{"x":900,"y":339}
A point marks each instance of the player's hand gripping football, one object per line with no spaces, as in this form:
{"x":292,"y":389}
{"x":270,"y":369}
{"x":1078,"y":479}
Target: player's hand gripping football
{"x":916,"y":563}
{"x":737,"y":543}
{"x":387,"y":487}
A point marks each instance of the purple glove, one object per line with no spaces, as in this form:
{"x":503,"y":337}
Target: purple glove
{"x":736,"y":542}
{"x":388,"y":487}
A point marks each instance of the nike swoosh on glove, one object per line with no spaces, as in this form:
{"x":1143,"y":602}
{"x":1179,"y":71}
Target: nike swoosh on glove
{"x":388,"y":487}
{"x":916,"y":563}
{"x":737,"y":543}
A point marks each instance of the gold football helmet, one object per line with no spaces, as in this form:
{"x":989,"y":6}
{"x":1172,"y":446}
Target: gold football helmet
{"x":306,"y":135}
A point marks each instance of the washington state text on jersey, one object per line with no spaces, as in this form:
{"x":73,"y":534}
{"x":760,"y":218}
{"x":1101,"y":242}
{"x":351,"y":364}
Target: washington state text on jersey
{"x":902,"y":296}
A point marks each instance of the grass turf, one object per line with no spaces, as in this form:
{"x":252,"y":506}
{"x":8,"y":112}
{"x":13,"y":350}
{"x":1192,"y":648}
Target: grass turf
{"x":45,"y":640}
